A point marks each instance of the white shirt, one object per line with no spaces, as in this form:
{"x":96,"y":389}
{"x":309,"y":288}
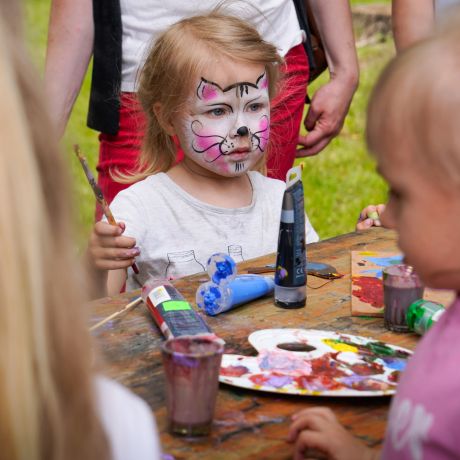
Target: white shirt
{"x":177,"y":233}
{"x":144,"y":20}
{"x":127,"y":421}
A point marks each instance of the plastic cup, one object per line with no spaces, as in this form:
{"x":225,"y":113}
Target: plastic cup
{"x":401,"y":287}
{"x":191,"y":365}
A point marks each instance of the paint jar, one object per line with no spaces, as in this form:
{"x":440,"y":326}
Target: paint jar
{"x":191,"y":365}
{"x":422,"y":314}
{"x":401,"y":287}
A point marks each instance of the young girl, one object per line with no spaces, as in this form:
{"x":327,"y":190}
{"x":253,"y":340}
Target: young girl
{"x":52,"y":406}
{"x":208,"y":82}
{"x":413,"y":129}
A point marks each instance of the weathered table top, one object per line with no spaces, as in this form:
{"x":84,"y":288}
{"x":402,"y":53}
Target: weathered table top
{"x":250,"y":424}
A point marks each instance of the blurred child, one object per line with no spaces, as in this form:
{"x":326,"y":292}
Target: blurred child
{"x":413,"y":129}
{"x":52,"y":406}
{"x":208,"y":81}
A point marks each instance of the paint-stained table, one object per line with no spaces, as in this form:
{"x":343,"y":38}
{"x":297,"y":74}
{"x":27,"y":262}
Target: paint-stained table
{"x":250,"y":424}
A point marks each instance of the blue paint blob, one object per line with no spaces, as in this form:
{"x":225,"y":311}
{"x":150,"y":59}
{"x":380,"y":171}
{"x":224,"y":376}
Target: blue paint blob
{"x":221,"y":267}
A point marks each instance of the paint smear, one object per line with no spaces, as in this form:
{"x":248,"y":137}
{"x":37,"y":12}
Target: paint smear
{"x":369,"y":290}
{"x":233,"y":371}
{"x":333,"y":363}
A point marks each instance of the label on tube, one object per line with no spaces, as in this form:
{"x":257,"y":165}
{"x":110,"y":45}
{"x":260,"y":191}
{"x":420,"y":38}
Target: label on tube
{"x":172,"y":313}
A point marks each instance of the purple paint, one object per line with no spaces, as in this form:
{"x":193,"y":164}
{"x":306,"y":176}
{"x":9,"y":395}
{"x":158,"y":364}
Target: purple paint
{"x":401,"y":287}
{"x":191,"y":365}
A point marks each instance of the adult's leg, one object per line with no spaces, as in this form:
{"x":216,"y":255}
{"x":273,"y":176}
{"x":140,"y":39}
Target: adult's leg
{"x":287,"y":112}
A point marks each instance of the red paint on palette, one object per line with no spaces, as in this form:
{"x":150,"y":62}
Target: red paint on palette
{"x":367,"y":368}
{"x":327,"y":365}
{"x":233,"y":371}
{"x":259,"y":379}
{"x":370,"y":290}
{"x":321,"y":382}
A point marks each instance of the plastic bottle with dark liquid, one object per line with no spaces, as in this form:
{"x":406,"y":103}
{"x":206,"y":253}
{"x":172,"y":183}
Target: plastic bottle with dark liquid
{"x":401,"y":287}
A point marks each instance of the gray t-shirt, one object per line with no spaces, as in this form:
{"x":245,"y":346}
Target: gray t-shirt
{"x":177,"y":233}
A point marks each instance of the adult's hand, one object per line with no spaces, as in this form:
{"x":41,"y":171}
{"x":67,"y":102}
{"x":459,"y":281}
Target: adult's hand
{"x":331,"y":102}
{"x":326,"y":115}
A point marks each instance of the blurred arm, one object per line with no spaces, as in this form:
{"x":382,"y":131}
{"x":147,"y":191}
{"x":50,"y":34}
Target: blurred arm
{"x":330,"y":104}
{"x":69,"y":50}
{"x":412,"y":21}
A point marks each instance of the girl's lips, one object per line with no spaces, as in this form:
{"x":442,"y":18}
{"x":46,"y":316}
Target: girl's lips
{"x":238,"y":151}
{"x":239,"y":154}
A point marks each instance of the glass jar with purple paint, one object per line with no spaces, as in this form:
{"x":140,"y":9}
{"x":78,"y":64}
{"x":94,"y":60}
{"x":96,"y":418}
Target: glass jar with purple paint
{"x":401,"y":287}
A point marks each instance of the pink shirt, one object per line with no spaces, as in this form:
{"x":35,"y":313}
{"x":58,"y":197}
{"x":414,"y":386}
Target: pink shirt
{"x":424,"y":420}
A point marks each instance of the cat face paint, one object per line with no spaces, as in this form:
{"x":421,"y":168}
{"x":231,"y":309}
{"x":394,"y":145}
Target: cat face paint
{"x":227,"y":129}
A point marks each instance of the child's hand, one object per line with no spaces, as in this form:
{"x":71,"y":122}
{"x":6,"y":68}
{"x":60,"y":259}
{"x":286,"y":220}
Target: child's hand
{"x":108,"y":249}
{"x":370,"y":217}
{"x":318,"y":429}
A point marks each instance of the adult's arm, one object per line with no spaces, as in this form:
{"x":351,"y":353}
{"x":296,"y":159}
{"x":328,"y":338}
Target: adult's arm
{"x":69,"y":50}
{"x":330,"y":103}
{"x":412,"y":21}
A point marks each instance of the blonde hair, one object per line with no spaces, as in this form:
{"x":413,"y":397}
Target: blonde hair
{"x":178,"y":57}
{"x":47,"y":406}
{"x":416,"y":104}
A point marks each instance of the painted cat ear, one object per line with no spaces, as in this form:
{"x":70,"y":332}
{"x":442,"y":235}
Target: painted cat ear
{"x":207,"y":90}
{"x":262,"y":81}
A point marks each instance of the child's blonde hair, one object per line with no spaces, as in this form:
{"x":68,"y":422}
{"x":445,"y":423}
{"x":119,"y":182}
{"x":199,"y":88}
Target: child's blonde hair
{"x":177,"y":59}
{"x":416,"y":104}
{"x":47,"y":404}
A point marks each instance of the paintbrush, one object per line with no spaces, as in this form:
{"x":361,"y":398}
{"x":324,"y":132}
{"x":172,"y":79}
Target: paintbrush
{"x":118,"y":313}
{"x":98,"y":193}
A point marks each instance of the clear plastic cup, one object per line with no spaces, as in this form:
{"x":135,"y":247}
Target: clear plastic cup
{"x":191,"y":365}
{"x":401,"y":287}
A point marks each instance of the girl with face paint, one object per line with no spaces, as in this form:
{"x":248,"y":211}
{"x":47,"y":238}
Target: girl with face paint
{"x":206,"y":86}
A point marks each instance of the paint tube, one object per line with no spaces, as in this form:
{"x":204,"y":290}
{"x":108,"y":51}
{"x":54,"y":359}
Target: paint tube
{"x":290,"y":274}
{"x":215,"y":298}
{"x":172,"y":313}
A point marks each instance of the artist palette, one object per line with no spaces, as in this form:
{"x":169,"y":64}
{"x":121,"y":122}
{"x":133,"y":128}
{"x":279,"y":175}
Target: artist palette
{"x":316,"y":363}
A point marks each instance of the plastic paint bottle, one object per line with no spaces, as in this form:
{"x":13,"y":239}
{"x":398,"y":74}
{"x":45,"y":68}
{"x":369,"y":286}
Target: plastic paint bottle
{"x":172,"y":313}
{"x":422,"y":314}
{"x":216,"y":298}
{"x":290,"y":274}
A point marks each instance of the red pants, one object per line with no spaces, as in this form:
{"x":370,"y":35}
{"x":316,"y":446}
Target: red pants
{"x":120,"y":152}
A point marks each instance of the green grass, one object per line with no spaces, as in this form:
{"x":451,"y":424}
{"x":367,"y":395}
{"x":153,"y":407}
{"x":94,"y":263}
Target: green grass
{"x":338,"y":182}
{"x":341,"y":180}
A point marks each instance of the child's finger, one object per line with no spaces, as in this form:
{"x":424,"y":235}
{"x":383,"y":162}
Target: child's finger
{"x":110,"y":264}
{"x":105,"y":229}
{"x":306,"y":421}
{"x":115,"y":253}
{"x":319,"y":410}
{"x":380,"y":208}
{"x":122,"y":242}
{"x":309,"y":440}
{"x":364,"y":224}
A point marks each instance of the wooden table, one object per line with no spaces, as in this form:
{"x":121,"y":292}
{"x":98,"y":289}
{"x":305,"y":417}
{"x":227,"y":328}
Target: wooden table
{"x":250,"y":424}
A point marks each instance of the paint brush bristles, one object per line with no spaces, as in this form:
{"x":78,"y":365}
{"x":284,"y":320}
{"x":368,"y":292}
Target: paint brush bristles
{"x":98,"y":193}
{"x":115,"y":315}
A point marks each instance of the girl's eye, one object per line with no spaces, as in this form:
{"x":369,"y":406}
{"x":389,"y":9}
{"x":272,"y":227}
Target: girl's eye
{"x":217,"y":112}
{"x":255,"y":107}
